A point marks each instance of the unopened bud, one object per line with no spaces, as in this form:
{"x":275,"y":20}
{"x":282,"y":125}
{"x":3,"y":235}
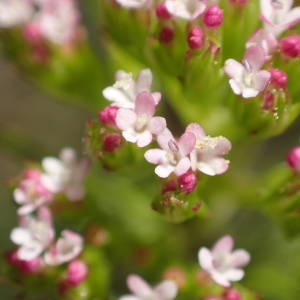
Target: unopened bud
{"x":268,"y":101}
{"x":107,"y":116}
{"x":166,"y":35}
{"x":76,"y":272}
{"x":290,"y":46}
{"x":293,"y":159}
{"x":213,"y":16}
{"x":111,"y":142}
{"x":187,"y":182}
{"x":195,"y":38}
{"x":31,"y":266}
{"x":278,"y":78}
{"x":232,"y":294}
{"x":162,"y":12}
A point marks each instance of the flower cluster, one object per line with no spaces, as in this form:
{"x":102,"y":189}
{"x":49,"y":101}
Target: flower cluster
{"x":222,"y":264}
{"x":35,"y":234}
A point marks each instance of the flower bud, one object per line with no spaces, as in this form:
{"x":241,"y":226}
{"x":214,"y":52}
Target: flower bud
{"x":232,"y":294}
{"x":195,"y":38}
{"x":293,"y":159}
{"x":268,"y":101}
{"x":278,"y":78}
{"x":107,"y":116}
{"x":76,"y":272}
{"x":162,"y":12}
{"x":31,"y":266}
{"x":187,"y":182}
{"x":166,"y":35}
{"x":111,"y":142}
{"x":290,"y":46}
{"x":213,"y":16}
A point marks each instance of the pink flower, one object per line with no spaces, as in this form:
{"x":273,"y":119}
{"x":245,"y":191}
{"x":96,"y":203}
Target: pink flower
{"x":66,"y":174}
{"x":278,"y":78}
{"x":278,"y":15}
{"x":293,"y":159}
{"x":166,"y":290}
{"x":247,"y":79}
{"x":125,"y":90}
{"x":32,"y":192}
{"x":77,"y":272}
{"x":185,"y":9}
{"x":207,"y":153}
{"x":162,"y":12}
{"x":66,"y":248}
{"x":290,"y":46}
{"x":34,"y":234}
{"x":223,"y":264}
{"x":213,"y":16}
{"x":173,"y":155}
{"x":135,"y":3}
{"x":195,"y":37}
{"x":107,"y":115}
{"x":139,"y":125}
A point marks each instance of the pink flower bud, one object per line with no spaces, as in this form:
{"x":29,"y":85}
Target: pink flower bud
{"x":278,"y":78}
{"x":213,"y":16}
{"x":232,"y":294}
{"x":187,"y":181}
{"x":195,"y":38}
{"x":293,"y":159}
{"x":111,"y":142}
{"x":76,"y":272}
{"x":268,"y":101}
{"x":166,"y":35}
{"x":107,"y":116}
{"x":31,"y":266}
{"x":169,"y":186}
{"x":162,"y":12}
{"x":290,"y":46}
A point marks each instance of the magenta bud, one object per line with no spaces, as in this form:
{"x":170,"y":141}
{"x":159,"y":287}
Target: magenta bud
{"x":76,"y":272}
{"x":195,"y":38}
{"x":268,"y":101}
{"x":166,"y":35}
{"x":162,"y":12}
{"x":290,"y":46}
{"x":232,"y":294}
{"x":213,"y":16}
{"x":12,"y":257}
{"x":293,"y":159}
{"x":187,"y":182}
{"x":31,"y":266}
{"x":107,"y":116}
{"x":170,"y":186}
{"x":278,"y":78}
{"x":111,"y":142}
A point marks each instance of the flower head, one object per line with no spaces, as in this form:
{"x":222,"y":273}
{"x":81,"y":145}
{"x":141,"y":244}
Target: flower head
{"x":222,"y":263}
{"x":166,"y":290}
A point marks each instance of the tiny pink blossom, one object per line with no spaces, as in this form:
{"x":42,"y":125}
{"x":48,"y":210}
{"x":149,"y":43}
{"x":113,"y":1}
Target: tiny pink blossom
{"x":208,"y":151}
{"x":222,"y":263}
{"x":107,"y":116}
{"x":247,"y":79}
{"x":293,"y":159}
{"x":125,"y":90}
{"x":173,"y":154}
{"x":166,"y":290}
{"x":290,"y":46}
{"x":278,"y":78}
{"x":213,"y":16}
{"x":185,"y":9}
{"x":65,"y":249}
{"x":33,"y":235}
{"x":187,"y":182}
{"x":195,"y":38}
{"x":77,"y":272}
{"x":138,"y":125}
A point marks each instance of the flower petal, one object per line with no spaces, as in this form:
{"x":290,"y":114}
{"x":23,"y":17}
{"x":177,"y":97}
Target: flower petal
{"x":125,"y":118}
{"x":234,"y":69}
{"x":139,"y":286}
{"x":155,"y":156}
{"x":118,"y":97}
{"x":144,"y":104}
{"x":213,"y":166}
{"x":144,"y":139}
{"x":240,"y":258}
{"x":255,"y":57}
{"x":223,"y":245}
{"x":234,"y":274}
{"x":157,"y":125}
{"x":196,"y":129}
{"x":183,"y":166}
{"x":166,"y":290}
{"x":164,"y":171}
{"x":144,"y":81}
{"x":261,"y":80}
{"x":205,"y":258}
{"x":187,"y":143}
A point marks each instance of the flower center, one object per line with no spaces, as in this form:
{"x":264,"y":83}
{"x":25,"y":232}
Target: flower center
{"x":141,"y":123}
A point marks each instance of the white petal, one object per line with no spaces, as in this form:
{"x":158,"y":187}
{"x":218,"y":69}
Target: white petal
{"x":183,"y":166}
{"x":144,"y":139}
{"x":249,"y":93}
{"x":261,"y":80}
{"x":205,"y":259}
{"x":130,"y":136}
{"x":234,"y":274}
{"x":118,"y":97}
{"x":20,"y":236}
{"x":236,"y":86}
{"x":164,"y":171}
{"x":213,"y":166}
{"x":29,"y":252}
{"x":139,"y":286}
{"x":223,"y":245}
{"x":240,"y":258}
{"x":157,"y":125}
{"x":166,"y":290}
{"x":125,"y":118}
{"x":144,"y":81}
{"x":234,"y":69}
{"x":155,"y":156}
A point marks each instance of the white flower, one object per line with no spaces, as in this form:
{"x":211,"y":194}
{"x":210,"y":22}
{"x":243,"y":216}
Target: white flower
{"x":135,"y":3}
{"x":185,"y":9}
{"x":125,"y":90}
{"x":34,"y":234}
{"x":166,"y":290}
{"x":221,"y":263}
{"x":278,"y":15}
{"x":247,"y":79}
{"x":66,"y":248}
{"x":66,"y":174}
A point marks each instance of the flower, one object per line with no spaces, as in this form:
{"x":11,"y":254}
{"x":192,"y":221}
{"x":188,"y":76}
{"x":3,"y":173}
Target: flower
{"x":33,"y":235}
{"x":221,"y":263}
{"x":65,"y":249}
{"x":138,"y":125}
{"x":278,"y":15}
{"x":166,"y":290}
{"x":66,"y":174}
{"x":185,"y":9}
{"x":247,"y":79}
{"x":173,"y":155}
{"x":293,"y":159}
{"x":125,"y":90}
{"x":32,"y":191}
{"x":135,"y":3}
{"x":206,"y":155}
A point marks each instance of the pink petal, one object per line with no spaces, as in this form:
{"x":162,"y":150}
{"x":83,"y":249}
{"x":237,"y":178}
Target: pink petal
{"x":220,"y":278}
{"x":144,"y":81}
{"x":240,"y":258}
{"x":164,"y":138}
{"x":144,"y":104}
{"x":183,"y":166}
{"x":138,"y":286}
{"x":44,"y":215}
{"x":157,"y":125}
{"x":125,"y":118}
{"x":261,"y":80}
{"x":144,"y":139}
{"x":223,"y":146}
{"x":164,"y":171}
{"x":205,"y":259}
{"x":26,"y":209}
{"x":166,"y":290}
{"x":187,"y":143}
{"x":196,"y":129}
{"x":157,"y":97}
{"x":255,"y":56}
{"x":234,"y":69}
{"x":223,"y":245}
{"x":155,"y":156}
